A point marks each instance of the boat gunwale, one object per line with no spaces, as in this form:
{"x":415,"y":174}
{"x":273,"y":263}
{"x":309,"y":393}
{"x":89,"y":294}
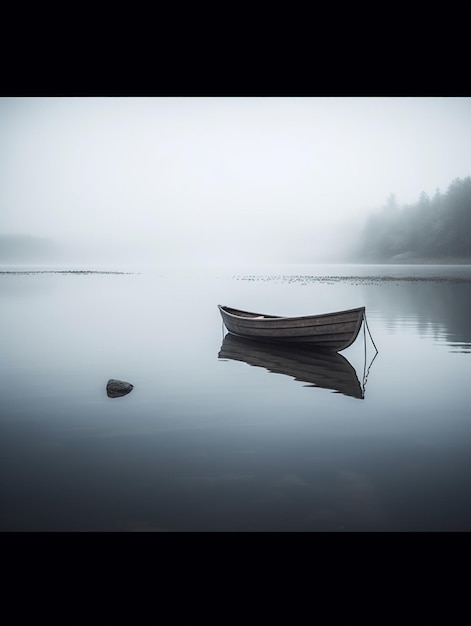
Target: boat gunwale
{"x":261,"y":317}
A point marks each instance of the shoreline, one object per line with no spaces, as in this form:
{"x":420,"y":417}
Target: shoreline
{"x":418,"y":261}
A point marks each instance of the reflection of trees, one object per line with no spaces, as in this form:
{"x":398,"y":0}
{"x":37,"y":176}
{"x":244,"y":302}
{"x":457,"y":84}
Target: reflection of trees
{"x":435,"y":304}
{"x":442,"y":306}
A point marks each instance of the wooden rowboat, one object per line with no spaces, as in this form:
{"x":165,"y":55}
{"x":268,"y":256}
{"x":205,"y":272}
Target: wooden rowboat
{"x":328,"y":331}
{"x":318,"y":368}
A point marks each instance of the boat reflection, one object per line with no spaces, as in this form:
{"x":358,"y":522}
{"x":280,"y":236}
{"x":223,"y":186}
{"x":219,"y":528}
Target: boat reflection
{"x":328,"y":370}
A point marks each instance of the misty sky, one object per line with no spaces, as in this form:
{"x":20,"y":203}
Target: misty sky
{"x":208,"y":179}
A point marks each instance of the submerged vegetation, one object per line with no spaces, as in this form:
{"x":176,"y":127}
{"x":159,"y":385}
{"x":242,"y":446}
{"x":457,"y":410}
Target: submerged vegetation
{"x":434,"y":229}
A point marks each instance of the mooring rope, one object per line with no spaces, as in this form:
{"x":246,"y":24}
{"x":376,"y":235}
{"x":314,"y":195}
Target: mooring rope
{"x":364,"y":360}
{"x":368,"y":328}
{"x":368,"y":371}
{"x":365,"y":371}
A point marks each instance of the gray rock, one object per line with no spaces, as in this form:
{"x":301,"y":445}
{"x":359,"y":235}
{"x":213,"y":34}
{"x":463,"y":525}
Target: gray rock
{"x":117,"y":388}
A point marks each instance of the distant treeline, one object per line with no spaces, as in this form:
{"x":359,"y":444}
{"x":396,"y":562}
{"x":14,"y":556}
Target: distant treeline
{"x":433,"y":229}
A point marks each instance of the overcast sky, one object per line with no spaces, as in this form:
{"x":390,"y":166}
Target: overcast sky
{"x":214,"y":178}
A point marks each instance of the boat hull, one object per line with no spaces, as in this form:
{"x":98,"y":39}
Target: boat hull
{"x":329,"y":331}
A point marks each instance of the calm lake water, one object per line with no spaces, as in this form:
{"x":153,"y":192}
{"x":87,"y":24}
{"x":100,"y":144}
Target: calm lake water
{"x":208,"y":443}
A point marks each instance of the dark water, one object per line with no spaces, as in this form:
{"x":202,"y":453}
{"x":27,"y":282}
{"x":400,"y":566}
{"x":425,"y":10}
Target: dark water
{"x":208,"y":443}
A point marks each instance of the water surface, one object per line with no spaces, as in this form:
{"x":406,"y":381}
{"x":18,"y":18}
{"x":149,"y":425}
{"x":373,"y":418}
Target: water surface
{"x":210,"y":443}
